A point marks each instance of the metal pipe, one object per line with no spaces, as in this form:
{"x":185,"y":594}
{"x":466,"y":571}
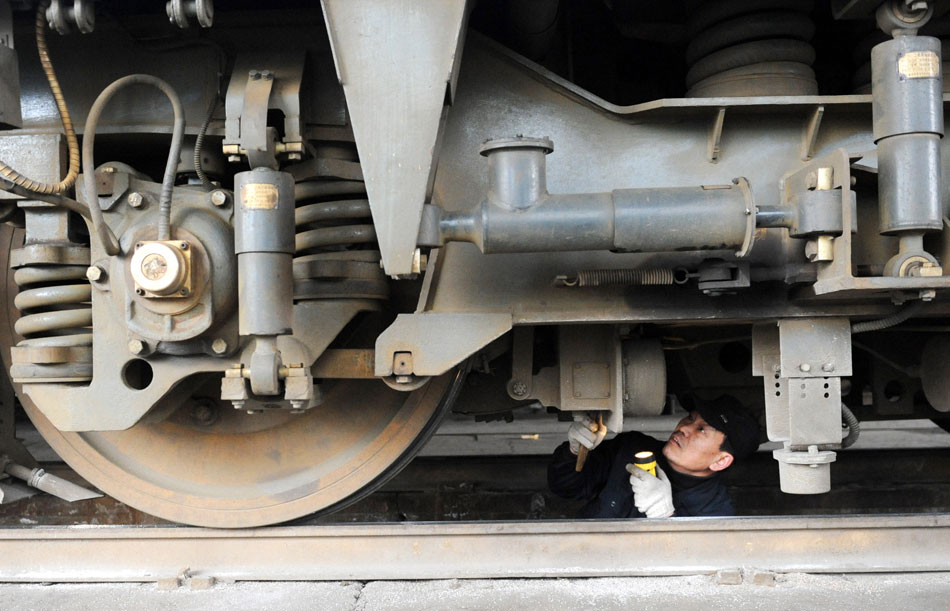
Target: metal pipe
{"x":518,"y":214}
{"x":631,"y":220}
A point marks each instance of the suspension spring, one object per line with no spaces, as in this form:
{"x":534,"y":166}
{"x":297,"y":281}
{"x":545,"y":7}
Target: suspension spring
{"x":625,"y":277}
{"x":337,"y":255}
{"x":751,"y":48}
{"x":55,"y":320}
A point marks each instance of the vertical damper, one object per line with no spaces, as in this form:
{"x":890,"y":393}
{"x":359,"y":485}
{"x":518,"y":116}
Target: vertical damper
{"x":264,"y":244}
{"x":908,"y":125}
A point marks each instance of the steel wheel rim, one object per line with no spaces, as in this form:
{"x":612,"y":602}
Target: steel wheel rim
{"x":318,"y":461}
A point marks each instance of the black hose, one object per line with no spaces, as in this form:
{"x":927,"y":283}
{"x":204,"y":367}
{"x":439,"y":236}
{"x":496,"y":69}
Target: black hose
{"x":854,"y":427}
{"x":908,"y":311}
{"x":106,"y":237}
{"x":199,"y":141}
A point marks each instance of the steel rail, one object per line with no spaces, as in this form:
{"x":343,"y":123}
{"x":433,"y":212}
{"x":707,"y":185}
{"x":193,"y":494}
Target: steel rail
{"x":687,"y":546}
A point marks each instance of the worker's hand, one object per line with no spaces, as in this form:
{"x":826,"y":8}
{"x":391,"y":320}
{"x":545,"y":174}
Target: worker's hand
{"x":653,"y":496}
{"x":585,"y":432}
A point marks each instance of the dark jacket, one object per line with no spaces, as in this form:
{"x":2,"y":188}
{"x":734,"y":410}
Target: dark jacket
{"x":606,"y":483}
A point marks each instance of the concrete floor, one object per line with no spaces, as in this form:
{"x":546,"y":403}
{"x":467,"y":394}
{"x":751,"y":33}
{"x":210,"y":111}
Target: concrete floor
{"x":862,"y":592}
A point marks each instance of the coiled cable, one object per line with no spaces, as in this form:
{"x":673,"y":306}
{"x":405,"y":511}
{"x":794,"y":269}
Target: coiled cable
{"x":72,"y":144}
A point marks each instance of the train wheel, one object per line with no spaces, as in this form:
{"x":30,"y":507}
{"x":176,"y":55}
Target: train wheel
{"x":210,"y":465}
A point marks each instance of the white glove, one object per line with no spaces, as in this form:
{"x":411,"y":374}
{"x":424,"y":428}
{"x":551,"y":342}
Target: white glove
{"x":653,"y":496}
{"x":585,"y":432}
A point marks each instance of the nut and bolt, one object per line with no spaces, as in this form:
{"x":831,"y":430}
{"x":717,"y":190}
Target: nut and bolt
{"x":403,"y":379}
{"x":204,"y":414}
{"x":297,"y":406}
{"x":255,"y":411}
{"x":828,"y":367}
{"x":95,"y":273}
{"x":928,"y":294}
{"x":139,"y":292}
{"x":804,"y":367}
{"x":136,"y":200}
{"x":294,"y":156}
{"x":183,"y":245}
{"x":234,"y":159}
{"x":519,"y":389}
{"x":136,"y":346}
{"x":219,"y":346}
{"x":219,"y":198}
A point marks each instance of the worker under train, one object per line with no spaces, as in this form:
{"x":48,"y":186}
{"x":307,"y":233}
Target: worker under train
{"x":706,"y":442}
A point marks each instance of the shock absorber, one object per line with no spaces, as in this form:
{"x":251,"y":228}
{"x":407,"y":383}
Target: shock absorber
{"x":337,"y":255}
{"x":54,"y":301}
{"x":751,"y":48}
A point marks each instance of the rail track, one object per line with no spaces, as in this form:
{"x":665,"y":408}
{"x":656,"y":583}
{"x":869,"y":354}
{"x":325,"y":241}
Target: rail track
{"x":688,"y":546}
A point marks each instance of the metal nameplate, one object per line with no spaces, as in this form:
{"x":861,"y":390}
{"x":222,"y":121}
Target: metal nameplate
{"x":919,"y":64}
{"x":259,"y":196}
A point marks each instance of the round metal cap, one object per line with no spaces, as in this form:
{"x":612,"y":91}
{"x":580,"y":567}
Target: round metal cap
{"x":157,"y":268}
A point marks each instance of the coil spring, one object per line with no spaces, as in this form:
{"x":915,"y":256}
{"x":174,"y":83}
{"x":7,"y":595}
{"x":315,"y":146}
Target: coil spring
{"x":627,"y":277}
{"x":56,"y":314}
{"x":751,"y":48}
{"x":337,"y":255}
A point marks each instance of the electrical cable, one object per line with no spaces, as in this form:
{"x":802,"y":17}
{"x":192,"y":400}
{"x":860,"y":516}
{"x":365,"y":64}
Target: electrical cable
{"x":106,"y":237}
{"x":72,"y":144}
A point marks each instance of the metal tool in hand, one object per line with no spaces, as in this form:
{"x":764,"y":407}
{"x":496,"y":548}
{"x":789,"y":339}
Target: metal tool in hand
{"x":583,"y":450}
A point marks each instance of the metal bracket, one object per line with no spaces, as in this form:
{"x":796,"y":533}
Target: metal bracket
{"x":810,"y":135}
{"x":398,"y":69}
{"x":437,"y":342}
{"x":272,"y":82}
{"x":714,"y":140}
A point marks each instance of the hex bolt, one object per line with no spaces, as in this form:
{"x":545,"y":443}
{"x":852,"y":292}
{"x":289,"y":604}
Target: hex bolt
{"x":403,"y":379}
{"x":255,"y":411}
{"x":804,"y":367}
{"x":219,"y":346}
{"x":204,"y":414}
{"x":294,"y":156}
{"x":234,"y":159}
{"x":136,"y":200}
{"x":519,"y":388}
{"x":828,"y":367}
{"x":219,"y":198}
{"x":136,"y":346}
{"x":95,"y":274}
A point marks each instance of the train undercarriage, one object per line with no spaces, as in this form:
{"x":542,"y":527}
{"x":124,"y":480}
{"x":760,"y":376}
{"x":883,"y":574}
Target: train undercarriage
{"x":294,"y":238}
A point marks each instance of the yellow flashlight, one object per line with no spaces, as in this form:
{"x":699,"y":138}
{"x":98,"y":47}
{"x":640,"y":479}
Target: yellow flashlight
{"x":646,"y":461}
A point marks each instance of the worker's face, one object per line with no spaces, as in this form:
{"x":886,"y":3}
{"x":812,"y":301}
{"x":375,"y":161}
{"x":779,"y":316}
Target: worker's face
{"x":693,"y":448}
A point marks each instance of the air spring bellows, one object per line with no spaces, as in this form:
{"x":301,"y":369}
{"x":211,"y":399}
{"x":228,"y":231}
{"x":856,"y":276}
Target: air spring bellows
{"x":751,"y":48}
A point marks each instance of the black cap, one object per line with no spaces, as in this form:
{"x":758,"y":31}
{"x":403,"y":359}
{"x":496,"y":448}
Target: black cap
{"x":726,"y":414}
